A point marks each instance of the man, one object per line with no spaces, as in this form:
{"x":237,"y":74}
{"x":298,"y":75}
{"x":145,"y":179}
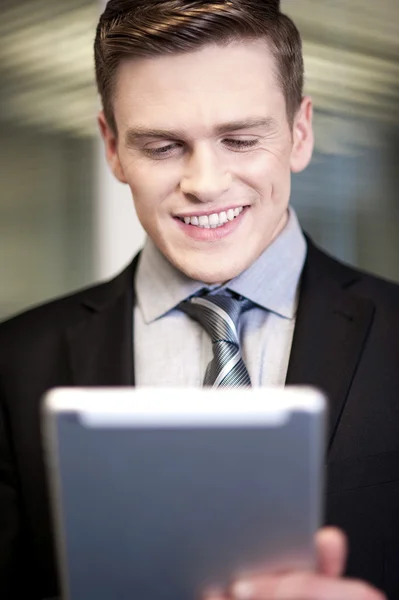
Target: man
{"x":205,"y":120}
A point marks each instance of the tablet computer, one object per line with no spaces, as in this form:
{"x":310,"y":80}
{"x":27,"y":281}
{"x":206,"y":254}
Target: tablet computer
{"x":159,"y":494}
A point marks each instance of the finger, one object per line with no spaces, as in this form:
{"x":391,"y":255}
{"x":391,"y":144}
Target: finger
{"x":332,"y":551}
{"x":214,"y":593}
{"x":305,"y":586}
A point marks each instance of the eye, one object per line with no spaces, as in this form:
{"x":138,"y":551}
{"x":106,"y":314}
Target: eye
{"x":161,"y":151}
{"x":241,"y":144}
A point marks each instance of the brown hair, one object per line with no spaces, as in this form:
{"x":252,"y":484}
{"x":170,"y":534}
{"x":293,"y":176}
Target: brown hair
{"x":148,"y":28}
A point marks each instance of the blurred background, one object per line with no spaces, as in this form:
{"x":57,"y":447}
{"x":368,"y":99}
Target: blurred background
{"x":64,"y":222}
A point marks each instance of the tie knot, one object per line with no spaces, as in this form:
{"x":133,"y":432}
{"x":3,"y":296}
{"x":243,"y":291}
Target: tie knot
{"x":218,"y":314}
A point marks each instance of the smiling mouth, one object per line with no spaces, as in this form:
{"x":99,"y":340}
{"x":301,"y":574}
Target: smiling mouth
{"x":214,"y":220}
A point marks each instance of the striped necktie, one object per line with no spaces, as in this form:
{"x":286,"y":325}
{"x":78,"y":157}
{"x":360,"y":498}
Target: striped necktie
{"x":219,"y":316}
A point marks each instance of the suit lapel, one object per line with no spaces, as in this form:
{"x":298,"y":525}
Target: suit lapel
{"x":330,"y":334}
{"x":100,"y":344}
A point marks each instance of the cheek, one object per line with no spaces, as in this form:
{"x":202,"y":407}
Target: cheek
{"x":270,"y":175}
{"x":265,"y":160}
{"x":150,"y":188}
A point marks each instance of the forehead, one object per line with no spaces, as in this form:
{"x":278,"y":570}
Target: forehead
{"x":199,"y":89}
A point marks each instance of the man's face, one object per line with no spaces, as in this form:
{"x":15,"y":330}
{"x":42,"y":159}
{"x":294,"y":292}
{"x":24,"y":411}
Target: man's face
{"x":206,"y":148}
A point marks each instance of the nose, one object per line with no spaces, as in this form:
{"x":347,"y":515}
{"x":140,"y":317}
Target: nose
{"x":204,"y":176}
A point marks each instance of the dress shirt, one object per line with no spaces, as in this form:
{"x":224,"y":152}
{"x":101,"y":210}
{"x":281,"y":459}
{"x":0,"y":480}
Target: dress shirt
{"x":171,"y":349}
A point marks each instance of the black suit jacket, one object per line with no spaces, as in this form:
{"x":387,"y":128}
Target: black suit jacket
{"x":346,"y":342}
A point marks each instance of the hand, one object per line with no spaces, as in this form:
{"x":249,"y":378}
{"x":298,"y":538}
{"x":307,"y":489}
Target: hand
{"x":326,"y":584}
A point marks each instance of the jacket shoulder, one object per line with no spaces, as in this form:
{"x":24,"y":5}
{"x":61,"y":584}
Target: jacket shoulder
{"x":57,"y":313}
{"x":358,"y":281}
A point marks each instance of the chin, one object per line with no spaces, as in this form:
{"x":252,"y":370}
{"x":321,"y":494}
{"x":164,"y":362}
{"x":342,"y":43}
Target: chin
{"x":211,"y":276}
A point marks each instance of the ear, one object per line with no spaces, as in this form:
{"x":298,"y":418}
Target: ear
{"x":111,"y":147}
{"x":302,"y":135}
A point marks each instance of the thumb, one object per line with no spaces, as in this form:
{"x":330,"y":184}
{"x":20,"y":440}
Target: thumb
{"x":331,"y":548}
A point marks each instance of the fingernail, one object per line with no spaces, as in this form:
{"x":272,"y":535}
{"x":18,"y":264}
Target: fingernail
{"x":243,"y":590}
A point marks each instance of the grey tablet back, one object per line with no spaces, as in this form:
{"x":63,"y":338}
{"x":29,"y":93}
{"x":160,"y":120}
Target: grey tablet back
{"x":158,"y":505}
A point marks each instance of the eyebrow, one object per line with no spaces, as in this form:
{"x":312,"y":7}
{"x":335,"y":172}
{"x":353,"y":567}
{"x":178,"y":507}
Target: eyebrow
{"x":135,"y":134}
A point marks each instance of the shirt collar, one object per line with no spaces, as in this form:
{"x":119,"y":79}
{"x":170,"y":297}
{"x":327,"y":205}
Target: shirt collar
{"x":160,"y":287}
{"x":271,"y":282}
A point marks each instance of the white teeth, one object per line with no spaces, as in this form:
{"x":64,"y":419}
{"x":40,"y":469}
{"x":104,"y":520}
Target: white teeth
{"x":203,"y":221}
{"x":214,"y":220}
